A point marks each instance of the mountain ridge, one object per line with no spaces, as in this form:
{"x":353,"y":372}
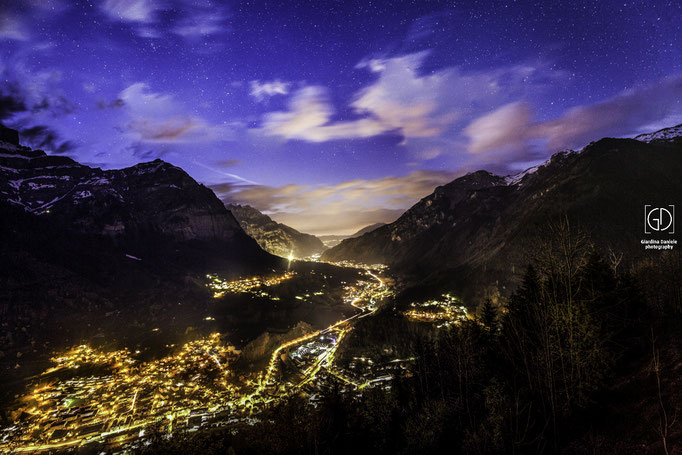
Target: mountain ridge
{"x":669,"y":134}
{"x":140,"y":208}
{"x":482,"y":225}
{"x":276,"y":238}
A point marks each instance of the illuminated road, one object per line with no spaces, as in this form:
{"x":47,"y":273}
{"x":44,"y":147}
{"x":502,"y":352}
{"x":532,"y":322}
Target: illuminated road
{"x":324,"y":361}
{"x":194,"y":383}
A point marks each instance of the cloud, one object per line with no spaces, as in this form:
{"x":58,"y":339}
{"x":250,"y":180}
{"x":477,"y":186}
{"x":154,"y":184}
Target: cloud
{"x":404,"y":101}
{"x":263,"y":91}
{"x":12,"y":28}
{"x":509,"y":129}
{"x":308,"y":119}
{"x":146,"y":151}
{"x":30,"y":101}
{"x":429,"y":153}
{"x":160,"y":118}
{"x":142,"y":101}
{"x":43,"y":137}
{"x":17,"y":18}
{"x":118,"y":103}
{"x":341,"y":208}
{"x":202,"y":23}
{"x":10,"y":104}
{"x":32,"y":92}
{"x":620,"y":115}
{"x":228,"y":163}
{"x":130,"y":10}
{"x":503,"y":128}
{"x":156,"y":18}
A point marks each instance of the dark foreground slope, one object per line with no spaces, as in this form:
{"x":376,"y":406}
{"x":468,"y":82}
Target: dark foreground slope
{"x":481,"y":229}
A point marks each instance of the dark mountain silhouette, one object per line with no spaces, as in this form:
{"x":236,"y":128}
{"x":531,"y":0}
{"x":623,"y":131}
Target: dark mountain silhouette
{"x":146,"y":210}
{"x":478,"y":231}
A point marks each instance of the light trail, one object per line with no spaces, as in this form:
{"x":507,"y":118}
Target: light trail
{"x":274,"y":359}
{"x":132,"y":408}
{"x":135,"y":395}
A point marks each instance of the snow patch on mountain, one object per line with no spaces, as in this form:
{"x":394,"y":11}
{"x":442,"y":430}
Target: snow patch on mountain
{"x":516,"y":178}
{"x":666,"y":134}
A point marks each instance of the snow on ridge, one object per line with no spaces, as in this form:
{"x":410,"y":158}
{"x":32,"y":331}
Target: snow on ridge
{"x":97,"y":181}
{"x":14,"y":155}
{"x":664,"y":134}
{"x":82,"y":194}
{"x":40,"y":186}
{"x":8,"y":146}
{"x":516,"y":178}
{"x":9,"y":169}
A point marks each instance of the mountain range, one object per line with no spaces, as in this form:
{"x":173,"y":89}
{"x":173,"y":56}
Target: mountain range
{"x":476,"y":234}
{"x":333,"y":240}
{"x":276,"y":238}
{"x":142,"y":209}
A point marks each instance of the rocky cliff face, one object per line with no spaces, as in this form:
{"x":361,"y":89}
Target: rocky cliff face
{"x":276,"y":238}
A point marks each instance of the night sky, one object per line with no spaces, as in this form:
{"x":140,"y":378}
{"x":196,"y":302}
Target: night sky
{"x":331,"y":115}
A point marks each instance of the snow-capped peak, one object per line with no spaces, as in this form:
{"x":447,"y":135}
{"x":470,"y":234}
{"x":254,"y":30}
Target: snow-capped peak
{"x":515,"y":179}
{"x":666,"y":134}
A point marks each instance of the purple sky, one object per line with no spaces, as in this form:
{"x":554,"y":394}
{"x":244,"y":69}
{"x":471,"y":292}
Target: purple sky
{"x":332,"y":115}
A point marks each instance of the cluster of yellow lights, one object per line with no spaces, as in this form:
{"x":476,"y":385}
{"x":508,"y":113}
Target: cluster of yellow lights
{"x":364,"y":297}
{"x":445,"y":311}
{"x":111,"y":397}
{"x":120,"y":395}
{"x":220,"y":287}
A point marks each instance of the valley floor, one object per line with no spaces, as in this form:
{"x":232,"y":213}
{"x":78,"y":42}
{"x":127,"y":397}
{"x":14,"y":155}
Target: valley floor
{"x":91,"y":396}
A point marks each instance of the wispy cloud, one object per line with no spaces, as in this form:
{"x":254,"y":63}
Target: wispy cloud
{"x":156,"y":18}
{"x":261,"y":91}
{"x":17,"y":18}
{"x":202,"y":23}
{"x":341,"y":208}
{"x":506,"y":131}
{"x":308,"y":119}
{"x":160,"y":118}
{"x":43,"y":137}
{"x":131,"y":10}
{"x":236,"y":177}
{"x":403,"y":101}
{"x":12,"y":27}
{"x":504,"y":128}
{"x":32,"y":100}
{"x":25,"y":91}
